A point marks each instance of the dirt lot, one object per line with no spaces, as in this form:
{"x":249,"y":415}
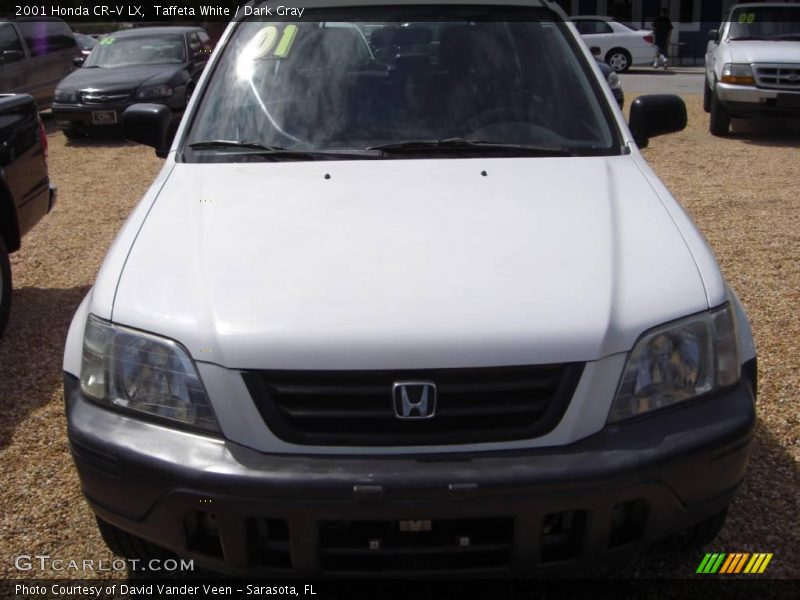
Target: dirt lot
{"x":742,"y":191}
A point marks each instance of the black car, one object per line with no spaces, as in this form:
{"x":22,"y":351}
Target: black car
{"x":25,"y":191}
{"x":153,"y":64}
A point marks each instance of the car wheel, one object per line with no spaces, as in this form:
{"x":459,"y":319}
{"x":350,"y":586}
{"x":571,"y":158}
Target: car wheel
{"x":706,"y":97}
{"x":619,"y":60}
{"x":696,"y":536}
{"x":5,"y":287}
{"x":720,"y":122}
{"x":72,"y":133}
{"x":127,"y":545}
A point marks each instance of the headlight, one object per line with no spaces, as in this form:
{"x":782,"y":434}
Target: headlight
{"x":613,"y":81}
{"x":65,"y":96}
{"x":133,"y":371}
{"x":678,"y":361}
{"x":737,"y":74}
{"x":159,"y":91}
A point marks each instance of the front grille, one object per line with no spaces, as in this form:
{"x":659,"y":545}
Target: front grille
{"x":435,"y":545}
{"x":356,"y":408}
{"x":778,"y":76}
{"x":89,"y":97}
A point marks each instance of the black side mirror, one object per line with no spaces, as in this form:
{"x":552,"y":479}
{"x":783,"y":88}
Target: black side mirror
{"x":595,"y":50}
{"x":713,"y":36}
{"x":656,"y":114}
{"x":148,"y":124}
{"x":78,"y":61}
{"x":7,"y":56}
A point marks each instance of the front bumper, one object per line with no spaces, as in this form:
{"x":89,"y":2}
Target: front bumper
{"x":239,"y":511}
{"x":79,"y":116}
{"x":748,"y":101}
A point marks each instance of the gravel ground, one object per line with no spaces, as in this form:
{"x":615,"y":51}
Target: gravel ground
{"x":742,"y":192}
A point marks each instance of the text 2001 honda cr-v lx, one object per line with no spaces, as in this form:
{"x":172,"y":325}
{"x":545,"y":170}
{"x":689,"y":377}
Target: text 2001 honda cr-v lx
{"x":406,"y":297}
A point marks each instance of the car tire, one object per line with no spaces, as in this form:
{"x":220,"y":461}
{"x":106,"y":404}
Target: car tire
{"x":618,"y":59}
{"x":706,"y":97}
{"x":696,"y":536}
{"x":72,"y":133}
{"x":127,"y":545}
{"x":5,"y":287}
{"x":720,"y":121}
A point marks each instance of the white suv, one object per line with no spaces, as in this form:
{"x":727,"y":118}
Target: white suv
{"x":753,"y":64}
{"x":429,"y":312}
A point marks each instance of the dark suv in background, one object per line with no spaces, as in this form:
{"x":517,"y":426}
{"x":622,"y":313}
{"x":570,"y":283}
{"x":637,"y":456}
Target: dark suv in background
{"x":35,"y":54}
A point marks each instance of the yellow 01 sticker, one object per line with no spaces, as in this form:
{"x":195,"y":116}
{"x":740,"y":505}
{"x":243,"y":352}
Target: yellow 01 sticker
{"x":266,"y":43}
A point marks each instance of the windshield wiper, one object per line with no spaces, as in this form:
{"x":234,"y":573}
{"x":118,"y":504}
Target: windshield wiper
{"x":259,"y":149}
{"x":222,"y":144}
{"x":461,"y":144}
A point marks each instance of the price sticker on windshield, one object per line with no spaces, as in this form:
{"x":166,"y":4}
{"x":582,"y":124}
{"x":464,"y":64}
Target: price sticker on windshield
{"x":747,"y":18}
{"x":269,"y":42}
{"x":107,"y":41}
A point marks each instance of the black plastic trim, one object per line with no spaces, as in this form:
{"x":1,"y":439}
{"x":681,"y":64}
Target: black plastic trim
{"x":258,"y":386}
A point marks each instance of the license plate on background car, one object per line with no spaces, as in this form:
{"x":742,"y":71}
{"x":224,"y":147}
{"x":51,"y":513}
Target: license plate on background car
{"x":788,"y":101}
{"x":104,"y":117}
{"x":423,"y":525}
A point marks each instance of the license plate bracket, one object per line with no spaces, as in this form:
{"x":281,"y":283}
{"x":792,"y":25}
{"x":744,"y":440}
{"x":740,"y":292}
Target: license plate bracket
{"x":104,"y":117}
{"x":416,"y":525}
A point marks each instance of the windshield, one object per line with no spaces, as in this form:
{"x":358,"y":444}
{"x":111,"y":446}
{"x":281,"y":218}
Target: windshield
{"x":112,"y":52}
{"x":765,"y":23}
{"x":344,"y":85}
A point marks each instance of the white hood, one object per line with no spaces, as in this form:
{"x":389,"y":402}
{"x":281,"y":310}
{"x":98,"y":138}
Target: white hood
{"x":756,"y":51}
{"x":407,"y":263}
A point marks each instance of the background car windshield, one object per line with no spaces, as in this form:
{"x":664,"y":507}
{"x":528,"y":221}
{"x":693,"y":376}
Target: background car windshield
{"x":85,"y":42}
{"x":766,"y":22}
{"x":351,"y":85}
{"x":123,"y":52}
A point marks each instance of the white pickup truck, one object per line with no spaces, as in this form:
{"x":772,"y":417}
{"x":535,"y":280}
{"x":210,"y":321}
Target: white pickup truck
{"x":753,"y":64}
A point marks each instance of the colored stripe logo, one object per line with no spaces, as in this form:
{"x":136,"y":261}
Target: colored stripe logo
{"x":734,"y":563}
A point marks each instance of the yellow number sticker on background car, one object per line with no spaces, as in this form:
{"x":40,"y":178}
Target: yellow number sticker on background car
{"x":747,"y":18}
